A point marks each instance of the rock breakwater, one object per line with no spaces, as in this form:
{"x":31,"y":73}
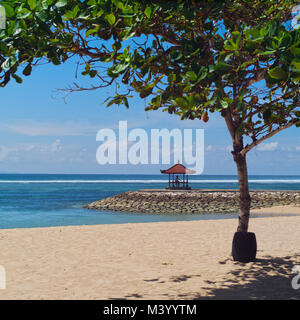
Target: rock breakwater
{"x":193,"y":201}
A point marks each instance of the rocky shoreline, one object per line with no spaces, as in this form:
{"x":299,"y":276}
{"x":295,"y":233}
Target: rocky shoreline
{"x":193,"y":201}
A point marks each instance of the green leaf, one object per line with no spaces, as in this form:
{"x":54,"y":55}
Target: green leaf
{"x":236,"y":37}
{"x":42,"y":15}
{"x":222,"y":68}
{"x":3,"y":48}
{"x":27,"y":70}
{"x":17,"y":78}
{"x":202,"y":74}
{"x":181,"y":102}
{"x":32,"y":4}
{"x":267,"y":115}
{"x":72,"y":14}
{"x":23,"y":14}
{"x":110,"y":18}
{"x":239,"y":105}
{"x":148,"y":12}
{"x":17,"y":31}
{"x":145,"y":93}
{"x":92,"y":2}
{"x":46,"y":4}
{"x":128,"y":34}
{"x":286,"y":41}
{"x":224,"y":104}
{"x":233,"y":43}
{"x":227,"y":57}
{"x":61,"y":3}
{"x":267,"y":53}
{"x":125,"y":101}
{"x":171,"y":78}
{"x":91,"y":31}
{"x":8,"y":10}
{"x":191,"y":76}
{"x":8,"y":63}
{"x":118,"y":69}
{"x":296,"y":63}
{"x":278,"y":73}
{"x":243,"y":92}
{"x":118,"y":4}
{"x":176,"y":55}
{"x":93,"y":73}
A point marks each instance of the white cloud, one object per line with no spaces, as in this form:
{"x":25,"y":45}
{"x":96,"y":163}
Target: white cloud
{"x":55,"y":146}
{"x":286,"y":148}
{"x":271,"y":146}
{"x":298,"y":148}
{"x":32,"y":149}
{"x":33,"y":128}
{"x":4,"y":151}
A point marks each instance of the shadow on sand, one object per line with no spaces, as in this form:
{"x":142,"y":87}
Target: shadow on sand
{"x":267,"y":278}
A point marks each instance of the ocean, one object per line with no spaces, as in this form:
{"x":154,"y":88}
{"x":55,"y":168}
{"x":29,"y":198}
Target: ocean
{"x":45,"y":200}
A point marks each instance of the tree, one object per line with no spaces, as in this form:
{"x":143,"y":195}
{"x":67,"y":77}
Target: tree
{"x":240,"y":58}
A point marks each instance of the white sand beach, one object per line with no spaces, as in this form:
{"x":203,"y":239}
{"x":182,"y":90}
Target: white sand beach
{"x":291,"y":209}
{"x":167,"y":260}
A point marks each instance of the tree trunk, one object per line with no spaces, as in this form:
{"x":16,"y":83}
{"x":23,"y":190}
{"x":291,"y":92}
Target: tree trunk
{"x":245,"y":199}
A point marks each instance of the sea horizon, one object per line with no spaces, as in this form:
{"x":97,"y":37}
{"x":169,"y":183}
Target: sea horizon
{"x":137,"y":174}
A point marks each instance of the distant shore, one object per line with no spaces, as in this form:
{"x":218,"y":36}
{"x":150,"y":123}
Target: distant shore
{"x":161,"y":201}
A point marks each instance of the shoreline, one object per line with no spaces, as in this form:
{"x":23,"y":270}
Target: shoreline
{"x":275,"y":211}
{"x":268,"y":212}
{"x":161,"y":201}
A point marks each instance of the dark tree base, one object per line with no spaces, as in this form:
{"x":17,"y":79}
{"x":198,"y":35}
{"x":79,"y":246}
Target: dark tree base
{"x":244,"y":247}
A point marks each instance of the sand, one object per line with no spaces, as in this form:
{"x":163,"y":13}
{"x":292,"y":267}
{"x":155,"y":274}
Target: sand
{"x":279,"y":209}
{"x":167,"y":260}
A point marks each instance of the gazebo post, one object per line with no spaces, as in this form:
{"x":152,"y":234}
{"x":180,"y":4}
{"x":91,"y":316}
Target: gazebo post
{"x":169,"y":182}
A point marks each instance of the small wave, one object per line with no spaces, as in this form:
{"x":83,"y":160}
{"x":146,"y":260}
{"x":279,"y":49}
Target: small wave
{"x":260,"y":181}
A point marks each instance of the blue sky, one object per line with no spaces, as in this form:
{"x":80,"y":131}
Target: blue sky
{"x":41,"y":133}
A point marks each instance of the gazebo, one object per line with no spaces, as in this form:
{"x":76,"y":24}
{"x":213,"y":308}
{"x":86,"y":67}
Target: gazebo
{"x":174,"y":181}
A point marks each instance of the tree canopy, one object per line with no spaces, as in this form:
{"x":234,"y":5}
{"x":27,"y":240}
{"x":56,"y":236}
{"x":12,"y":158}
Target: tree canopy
{"x":241,"y":58}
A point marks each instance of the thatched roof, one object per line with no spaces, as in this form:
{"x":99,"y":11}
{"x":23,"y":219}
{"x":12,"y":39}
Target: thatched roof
{"x":178,"y":169}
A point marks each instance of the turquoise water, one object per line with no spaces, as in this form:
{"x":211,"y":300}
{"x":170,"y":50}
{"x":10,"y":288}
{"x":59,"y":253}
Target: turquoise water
{"x":43,"y":200}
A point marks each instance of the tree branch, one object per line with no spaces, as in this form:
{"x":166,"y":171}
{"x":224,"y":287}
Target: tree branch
{"x":267,"y":136}
{"x":258,"y":77}
{"x":230,"y":125}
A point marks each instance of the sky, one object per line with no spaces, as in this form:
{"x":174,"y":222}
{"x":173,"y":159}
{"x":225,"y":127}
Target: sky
{"x":42,"y":132}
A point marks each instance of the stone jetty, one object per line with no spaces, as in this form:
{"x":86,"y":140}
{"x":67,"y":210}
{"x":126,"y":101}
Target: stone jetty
{"x":161,"y":201}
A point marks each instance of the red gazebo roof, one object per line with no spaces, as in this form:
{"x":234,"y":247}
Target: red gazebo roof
{"x":178,"y":169}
